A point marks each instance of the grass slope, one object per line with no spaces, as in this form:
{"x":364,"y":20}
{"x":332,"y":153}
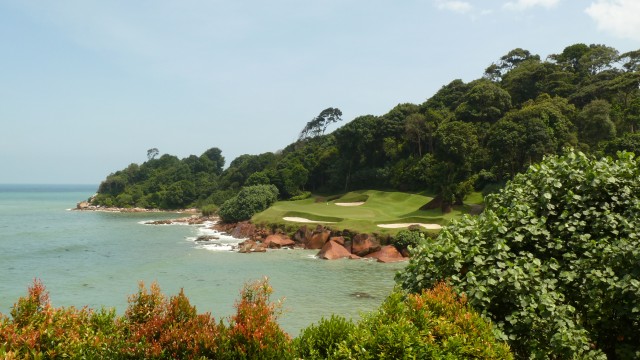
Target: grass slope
{"x":380,"y":207}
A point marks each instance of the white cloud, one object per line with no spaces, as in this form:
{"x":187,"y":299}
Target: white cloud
{"x":619,"y":17}
{"x":456,"y":6}
{"x":525,"y":4}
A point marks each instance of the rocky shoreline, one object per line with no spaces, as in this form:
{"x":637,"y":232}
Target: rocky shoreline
{"x":331,"y":244}
{"x":87,"y":206}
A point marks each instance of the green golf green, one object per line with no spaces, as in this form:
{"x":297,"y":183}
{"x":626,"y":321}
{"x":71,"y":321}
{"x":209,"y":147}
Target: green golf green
{"x":363,"y":211}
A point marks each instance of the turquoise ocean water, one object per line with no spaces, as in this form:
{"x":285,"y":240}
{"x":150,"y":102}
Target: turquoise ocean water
{"x":97,"y":259}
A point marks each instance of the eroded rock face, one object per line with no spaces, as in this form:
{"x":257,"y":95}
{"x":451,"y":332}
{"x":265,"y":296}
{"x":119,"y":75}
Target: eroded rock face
{"x":338,"y":239}
{"x":363,"y":244}
{"x":318,"y":238}
{"x":386,"y":254}
{"x":278,"y":241}
{"x":303,"y":235}
{"x":332,"y":250}
{"x":243,"y":230}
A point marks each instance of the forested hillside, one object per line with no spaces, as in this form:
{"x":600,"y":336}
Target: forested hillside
{"x":467,"y":136}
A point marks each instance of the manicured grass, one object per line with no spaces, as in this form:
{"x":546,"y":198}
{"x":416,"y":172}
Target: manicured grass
{"x":380,"y":207}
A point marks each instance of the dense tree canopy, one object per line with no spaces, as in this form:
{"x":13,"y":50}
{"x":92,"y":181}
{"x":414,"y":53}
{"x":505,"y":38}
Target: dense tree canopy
{"x":465,"y":136}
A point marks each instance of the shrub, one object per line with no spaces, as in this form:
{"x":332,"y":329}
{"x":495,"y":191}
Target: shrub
{"x":406,"y":239}
{"x":322,"y":341}
{"x":436,"y":324}
{"x":253,"y":332}
{"x":249,"y":201}
{"x":209,"y":210}
{"x":157,"y":328}
{"x":553,"y":260}
{"x":303,"y":195}
{"x":37,"y":330}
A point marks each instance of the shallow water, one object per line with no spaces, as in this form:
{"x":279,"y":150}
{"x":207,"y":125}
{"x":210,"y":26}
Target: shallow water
{"x":97,"y":259}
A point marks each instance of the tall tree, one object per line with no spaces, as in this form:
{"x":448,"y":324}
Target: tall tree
{"x":318,"y":125}
{"x":508,"y":62}
{"x":215,"y":156}
{"x":484,"y":102}
{"x":152,"y":153}
{"x":594,"y":123}
{"x":416,"y":128}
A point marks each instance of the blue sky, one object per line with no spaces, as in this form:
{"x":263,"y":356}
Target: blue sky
{"x":86,"y":87}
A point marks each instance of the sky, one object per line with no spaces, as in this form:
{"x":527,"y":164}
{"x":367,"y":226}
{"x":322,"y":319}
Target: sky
{"x":87,"y":87}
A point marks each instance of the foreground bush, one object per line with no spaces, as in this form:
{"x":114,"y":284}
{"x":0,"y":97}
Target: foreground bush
{"x":554,"y":259}
{"x":37,"y":330}
{"x":436,"y":324}
{"x":153,"y":327}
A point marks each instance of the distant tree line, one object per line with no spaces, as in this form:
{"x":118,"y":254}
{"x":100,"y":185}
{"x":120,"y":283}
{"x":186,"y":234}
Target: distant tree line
{"x":467,"y":136}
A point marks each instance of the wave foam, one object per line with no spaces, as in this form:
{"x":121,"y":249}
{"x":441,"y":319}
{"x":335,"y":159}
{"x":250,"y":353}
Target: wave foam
{"x":213,"y":240}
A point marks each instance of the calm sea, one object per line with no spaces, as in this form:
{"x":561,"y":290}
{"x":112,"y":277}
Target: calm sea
{"x":97,"y":259}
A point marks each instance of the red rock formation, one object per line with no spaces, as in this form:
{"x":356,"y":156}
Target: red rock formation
{"x":386,"y":254}
{"x":332,"y":250}
{"x":363,"y":244}
{"x":318,"y":239}
{"x":338,"y":239}
{"x":303,"y":235}
{"x":240,"y":230}
{"x":278,"y":241}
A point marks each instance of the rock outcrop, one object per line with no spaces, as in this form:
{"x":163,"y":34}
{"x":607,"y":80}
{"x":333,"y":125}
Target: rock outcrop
{"x":278,"y":241}
{"x":386,"y":254}
{"x":318,"y":238}
{"x":363,"y":244}
{"x":332,"y":250}
{"x":250,"y":246}
{"x":338,"y":239}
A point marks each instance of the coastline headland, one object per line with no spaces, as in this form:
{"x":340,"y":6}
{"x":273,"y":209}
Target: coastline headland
{"x":331,"y":244}
{"x":87,"y":206}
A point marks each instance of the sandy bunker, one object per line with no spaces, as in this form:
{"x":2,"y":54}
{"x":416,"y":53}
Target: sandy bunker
{"x":358,"y":203}
{"x":404,"y":225}
{"x":303,"y":220}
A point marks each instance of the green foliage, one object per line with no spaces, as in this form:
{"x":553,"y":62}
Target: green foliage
{"x":524,"y":108}
{"x":249,"y":201}
{"x":553,"y":260}
{"x":166,"y":182}
{"x":595,"y":123}
{"x":408,"y":239}
{"x":318,"y":125}
{"x":302,"y":196}
{"x":435,"y":324}
{"x":322,"y":341}
{"x":209,"y":210}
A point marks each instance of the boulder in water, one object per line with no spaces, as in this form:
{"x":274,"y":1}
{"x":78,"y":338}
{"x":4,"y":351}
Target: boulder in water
{"x":278,"y":241}
{"x":332,"y":250}
{"x":363,"y":244}
{"x":386,"y":254}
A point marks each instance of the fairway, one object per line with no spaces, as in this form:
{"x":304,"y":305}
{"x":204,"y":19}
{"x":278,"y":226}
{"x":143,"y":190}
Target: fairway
{"x":360,"y":211}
